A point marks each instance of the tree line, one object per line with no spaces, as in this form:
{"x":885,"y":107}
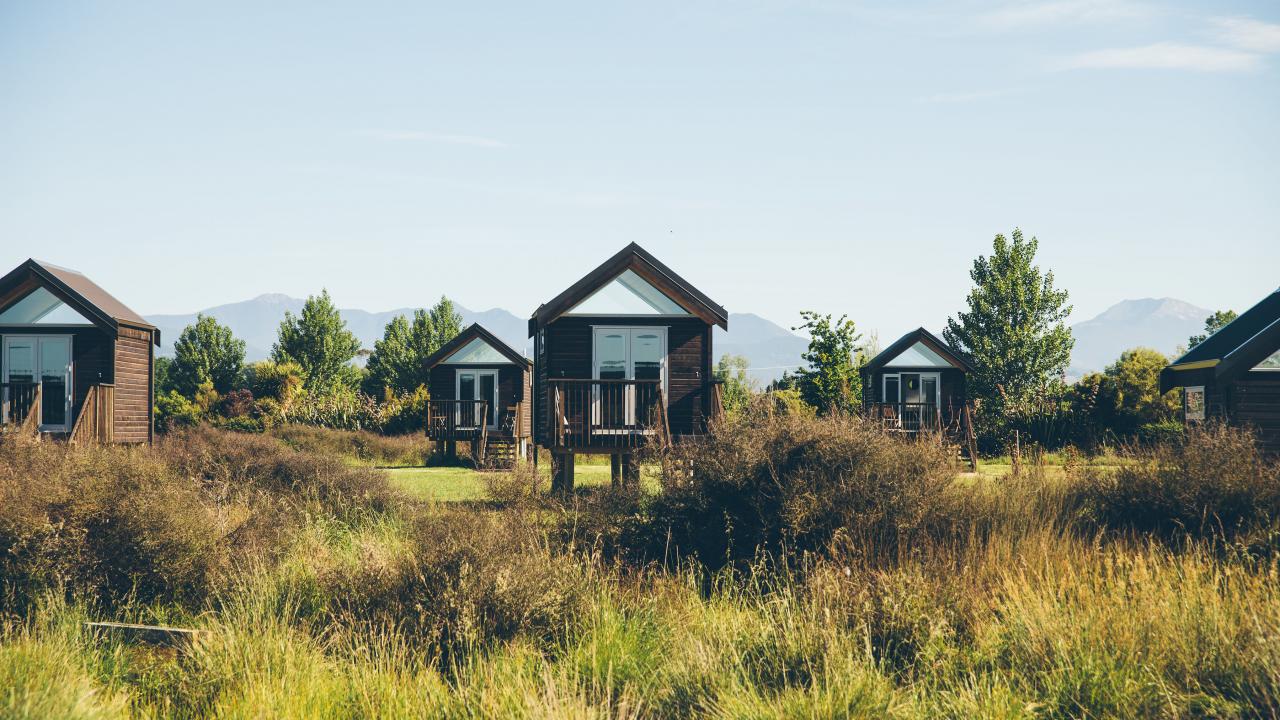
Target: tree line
{"x":1013,"y":331}
{"x":310,"y":377}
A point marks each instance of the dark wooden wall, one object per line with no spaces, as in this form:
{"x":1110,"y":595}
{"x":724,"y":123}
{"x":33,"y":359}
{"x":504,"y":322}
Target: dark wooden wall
{"x":134,"y":358}
{"x":567,"y":347}
{"x":513,"y":385}
{"x":1254,"y":401}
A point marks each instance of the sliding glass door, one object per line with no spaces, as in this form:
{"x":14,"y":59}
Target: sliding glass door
{"x":638,"y":353}
{"x":475,"y":385}
{"x":44,"y":359}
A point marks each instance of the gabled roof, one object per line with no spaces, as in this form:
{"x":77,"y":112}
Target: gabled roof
{"x":926,"y":338}
{"x":638,"y":260}
{"x":472,"y":332}
{"x":74,"y":289}
{"x":1237,"y":347}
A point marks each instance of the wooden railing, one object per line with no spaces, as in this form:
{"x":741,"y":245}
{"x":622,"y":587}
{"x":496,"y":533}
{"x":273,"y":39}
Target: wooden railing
{"x":606,"y":414}
{"x":717,"y":401}
{"x":911,"y":417}
{"x":456,"y":419}
{"x":21,"y":405}
{"x":96,"y":422}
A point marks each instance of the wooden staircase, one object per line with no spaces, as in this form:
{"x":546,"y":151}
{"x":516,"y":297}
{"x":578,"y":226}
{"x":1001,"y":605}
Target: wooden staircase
{"x":501,"y":450}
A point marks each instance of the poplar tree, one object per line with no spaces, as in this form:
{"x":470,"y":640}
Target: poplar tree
{"x":318,"y":341}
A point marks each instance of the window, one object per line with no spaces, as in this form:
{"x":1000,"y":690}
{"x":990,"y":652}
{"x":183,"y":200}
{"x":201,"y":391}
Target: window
{"x":1271,"y":363}
{"x":41,"y":307}
{"x":891,"y":388}
{"x":477,"y":352}
{"x":628,"y":294}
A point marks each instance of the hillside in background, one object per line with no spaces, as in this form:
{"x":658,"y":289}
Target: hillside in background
{"x":1160,"y":323}
{"x":769,"y":347}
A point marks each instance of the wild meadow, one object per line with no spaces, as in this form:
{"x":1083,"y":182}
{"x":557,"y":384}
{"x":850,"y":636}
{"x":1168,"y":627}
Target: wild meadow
{"x":783,"y":566}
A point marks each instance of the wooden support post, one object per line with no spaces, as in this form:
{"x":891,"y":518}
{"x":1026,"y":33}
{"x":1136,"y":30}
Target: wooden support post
{"x":615,"y":470}
{"x":562,"y":474}
{"x":451,"y":450}
{"x":630,"y":470}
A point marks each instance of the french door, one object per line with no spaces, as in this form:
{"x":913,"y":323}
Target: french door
{"x":45,"y":359}
{"x":619,"y":353}
{"x":477,"y":385}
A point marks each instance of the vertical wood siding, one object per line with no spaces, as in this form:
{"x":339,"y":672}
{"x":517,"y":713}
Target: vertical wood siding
{"x":133,"y":372}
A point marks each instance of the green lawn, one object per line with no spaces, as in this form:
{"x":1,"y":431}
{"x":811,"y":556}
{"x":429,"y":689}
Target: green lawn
{"x":454,"y":484}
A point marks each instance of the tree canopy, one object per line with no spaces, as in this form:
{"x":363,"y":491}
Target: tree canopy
{"x":318,"y":341}
{"x":1014,"y":330}
{"x":397,"y":364}
{"x":1212,"y":324}
{"x":831,"y":380}
{"x":738,"y":386}
{"x":206,"y":351}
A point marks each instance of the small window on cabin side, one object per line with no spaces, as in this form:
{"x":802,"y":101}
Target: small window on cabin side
{"x":1271,"y":363}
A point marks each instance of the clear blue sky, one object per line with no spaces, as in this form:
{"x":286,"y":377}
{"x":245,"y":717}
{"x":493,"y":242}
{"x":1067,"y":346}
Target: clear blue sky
{"x":838,"y":156}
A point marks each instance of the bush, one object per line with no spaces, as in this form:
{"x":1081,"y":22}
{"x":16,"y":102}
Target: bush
{"x":164,"y":523}
{"x":364,"y":446}
{"x":340,"y":408}
{"x":783,"y":482}
{"x":278,"y":381}
{"x":522,"y":484}
{"x":406,"y":413}
{"x":172,"y":411}
{"x":1215,"y":484}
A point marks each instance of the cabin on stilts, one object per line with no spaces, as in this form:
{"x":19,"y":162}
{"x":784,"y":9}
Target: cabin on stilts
{"x":919,"y":385}
{"x":75,"y":363}
{"x":1234,"y":375}
{"x":623,"y":360}
{"x":480,"y":394}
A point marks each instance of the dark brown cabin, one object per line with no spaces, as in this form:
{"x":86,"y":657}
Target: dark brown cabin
{"x":481,"y":392}
{"x":917,"y":384}
{"x":76,"y":363}
{"x":623,"y":357}
{"x":1234,"y":375}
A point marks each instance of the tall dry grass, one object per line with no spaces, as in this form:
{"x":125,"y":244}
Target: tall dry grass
{"x":336,"y":598}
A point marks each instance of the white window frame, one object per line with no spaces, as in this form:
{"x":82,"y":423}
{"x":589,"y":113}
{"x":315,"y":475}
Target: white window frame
{"x":663,"y":334}
{"x":36,"y":360}
{"x":457,"y":393}
{"x":935,"y":376}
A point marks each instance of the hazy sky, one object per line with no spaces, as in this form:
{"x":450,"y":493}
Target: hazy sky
{"x":814,"y":154}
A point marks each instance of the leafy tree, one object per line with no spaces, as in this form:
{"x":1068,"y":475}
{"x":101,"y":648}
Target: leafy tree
{"x":319,"y":342}
{"x":831,"y":380}
{"x":206,"y":351}
{"x":396,"y":364}
{"x":391,"y":366}
{"x":1128,"y":392}
{"x":1014,"y":330}
{"x":1212,"y":324}
{"x":738,"y":387}
{"x":161,"y":380}
{"x":445,"y":323}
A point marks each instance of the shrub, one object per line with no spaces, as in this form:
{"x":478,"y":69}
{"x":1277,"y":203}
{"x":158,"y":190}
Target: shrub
{"x":783,"y":482}
{"x":278,"y":381}
{"x":364,"y":446}
{"x":172,"y":411}
{"x":1216,"y":483}
{"x":340,"y":408}
{"x":406,"y":413}
{"x":237,"y":403}
{"x":521,"y":484}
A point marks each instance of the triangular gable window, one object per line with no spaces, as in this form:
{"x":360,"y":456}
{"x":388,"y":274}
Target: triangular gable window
{"x":628,"y":294}
{"x":41,"y":307}
{"x":475,"y":352}
{"x":1271,"y":363}
{"x":918,"y":355}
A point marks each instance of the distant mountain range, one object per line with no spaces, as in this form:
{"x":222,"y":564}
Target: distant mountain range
{"x":768,"y":347}
{"x":1160,"y":323}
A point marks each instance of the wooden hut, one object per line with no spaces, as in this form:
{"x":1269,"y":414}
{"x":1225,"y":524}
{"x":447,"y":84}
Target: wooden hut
{"x":623,"y":358}
{"x":1234,"y":375}
{"x":480,"y":393}
{"x":919,"y":384}
{"x":76,"y":362}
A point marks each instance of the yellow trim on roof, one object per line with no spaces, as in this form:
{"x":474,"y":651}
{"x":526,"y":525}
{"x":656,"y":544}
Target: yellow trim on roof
{"x":1195,"y":365}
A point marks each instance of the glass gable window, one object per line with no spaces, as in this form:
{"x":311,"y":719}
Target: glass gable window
{"x":918,"y":355}
{"x":628,"y":294}
{"x":1271,"y":363}
{"x":41,"y":307}
{"x":476,"y":352}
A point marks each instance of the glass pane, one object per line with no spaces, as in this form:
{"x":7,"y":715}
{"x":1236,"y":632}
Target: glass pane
{"x":911,"y":388}
{"x":55,"y":359}
{"x":646,"y":355}
{"x":487,"y":386}
{"x":40,"y":307}
{"x":1271,"y":363}
{"x":891,"y":390}
{"x":478,"y":352}
{"x":21,"y":361}
{"x":628,"y":294}
{"x":466,"y":391}
{"x":930,"y":390}
{"x":611,"y":355}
